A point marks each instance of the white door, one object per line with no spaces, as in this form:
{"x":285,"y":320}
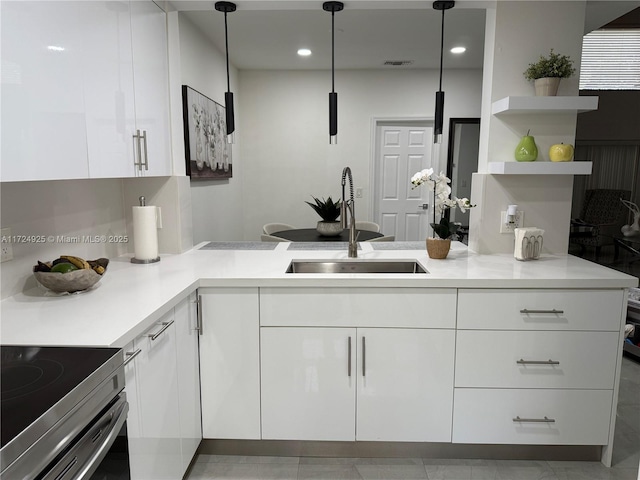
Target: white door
{"x":308,"y":387}
{"x":402,"y":150}
{"x":405,"y":385}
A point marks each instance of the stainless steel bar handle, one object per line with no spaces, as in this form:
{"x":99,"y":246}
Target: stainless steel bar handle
{"x":199,"y":314}
{"x":165,"y":325}
{"x":349,"y":361}
{"x":535,"y":420}
{"x":131,"y":356}
{"x":138,"y":160}
{"x":146,"y":152}
{"x":537,"y":362}
{"x":526,"y":310}
{"x":364,"y":357}
{"x":64,"y":472}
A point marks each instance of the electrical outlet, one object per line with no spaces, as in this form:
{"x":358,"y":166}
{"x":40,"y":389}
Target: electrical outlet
{"x":6,"y":252}
{"x":509,"y":227}
{"x":359,"y":192}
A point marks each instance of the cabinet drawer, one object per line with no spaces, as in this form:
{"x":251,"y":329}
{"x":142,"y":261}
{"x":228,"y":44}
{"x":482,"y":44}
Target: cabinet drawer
{"x":534,"y":309}
{"x":487,"y":358}
{"x":358,"y":307}
{"x":576,"y":417}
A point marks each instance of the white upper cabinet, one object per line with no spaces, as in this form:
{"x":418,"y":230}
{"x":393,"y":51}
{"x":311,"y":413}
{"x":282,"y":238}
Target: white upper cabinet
{"x":43,"y":103}
{"x":151,"y":86}
{"x":79,"y":79}
{"x":108,"y":87}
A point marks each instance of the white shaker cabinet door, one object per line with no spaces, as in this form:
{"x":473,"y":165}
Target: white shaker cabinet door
{"x":308,"y":383}
{"x":230,"y":363}
{"x":188,"y":377}
{"x":405,"y":385}
{"x":157,"y":455}
{"x":43,"y":108}
{"x":151,"y":87}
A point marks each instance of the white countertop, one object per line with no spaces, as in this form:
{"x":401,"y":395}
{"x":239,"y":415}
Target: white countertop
{"x":131,"y":297}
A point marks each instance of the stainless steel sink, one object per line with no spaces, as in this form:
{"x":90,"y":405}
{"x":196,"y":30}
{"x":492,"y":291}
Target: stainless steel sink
{"x":355,"y":266}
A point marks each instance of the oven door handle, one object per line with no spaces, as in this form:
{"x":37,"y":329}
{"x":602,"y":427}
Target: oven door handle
{"x":85,"y":457}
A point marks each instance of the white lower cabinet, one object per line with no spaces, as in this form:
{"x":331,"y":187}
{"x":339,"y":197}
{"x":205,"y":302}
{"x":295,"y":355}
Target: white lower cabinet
{"x":405,"y":384}
{"x":230,"y":363}
{"x":188,"y":363}
{"x":400,"y":382}
{"x":155,"y":449}
{"x":532,"y":416}
{"x":308,"y":383}
{"x":537,"y":366}
{"x":163,"y":390}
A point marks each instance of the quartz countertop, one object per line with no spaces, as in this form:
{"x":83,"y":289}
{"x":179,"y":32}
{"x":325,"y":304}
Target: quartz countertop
{"x":131,"y":297}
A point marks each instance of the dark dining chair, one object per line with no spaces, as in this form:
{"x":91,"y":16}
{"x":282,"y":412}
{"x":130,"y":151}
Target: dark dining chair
{"x":602,"y":216}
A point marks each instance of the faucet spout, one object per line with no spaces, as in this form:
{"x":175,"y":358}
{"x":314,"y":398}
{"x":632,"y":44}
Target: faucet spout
{"x":348,"y":206}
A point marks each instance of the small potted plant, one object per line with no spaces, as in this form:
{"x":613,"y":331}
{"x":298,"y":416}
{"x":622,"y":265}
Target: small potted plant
{"x":547,"y":72}
{"x":445,"y":230}
{"x":329,"y":211}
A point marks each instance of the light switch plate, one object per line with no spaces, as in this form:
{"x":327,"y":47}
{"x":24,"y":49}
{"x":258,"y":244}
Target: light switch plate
{"x":510,"y":227}
{"x":6,"y":252}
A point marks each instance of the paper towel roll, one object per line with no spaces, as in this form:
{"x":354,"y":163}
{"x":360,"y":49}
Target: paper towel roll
{"x":145,"y":233}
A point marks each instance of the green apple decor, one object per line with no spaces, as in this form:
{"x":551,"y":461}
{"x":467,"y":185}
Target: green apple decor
{"x":527,"y":151}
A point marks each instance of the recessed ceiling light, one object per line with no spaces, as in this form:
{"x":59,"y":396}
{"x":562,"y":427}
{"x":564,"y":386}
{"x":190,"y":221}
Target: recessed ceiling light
{"x":304,"y":52}
{"x":458,"y":50}
{"x":55,"y":48}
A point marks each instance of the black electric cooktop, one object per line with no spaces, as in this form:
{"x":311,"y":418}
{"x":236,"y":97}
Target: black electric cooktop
{"x":34,"y":379}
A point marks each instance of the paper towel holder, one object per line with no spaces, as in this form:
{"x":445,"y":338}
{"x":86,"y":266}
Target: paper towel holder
{"x":143,"y":203}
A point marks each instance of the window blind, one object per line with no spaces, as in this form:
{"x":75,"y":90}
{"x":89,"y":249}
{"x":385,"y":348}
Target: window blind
{"x":611,"y":60}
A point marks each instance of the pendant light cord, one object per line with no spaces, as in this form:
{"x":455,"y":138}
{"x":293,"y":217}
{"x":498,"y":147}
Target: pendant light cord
{"x":226,"y":44}
{"x":441,"y":49}
{"x":333,"y":55}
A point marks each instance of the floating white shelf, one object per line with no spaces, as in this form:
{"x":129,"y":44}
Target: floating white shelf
{"x":540,"y":168}
{"x":551,"y":105}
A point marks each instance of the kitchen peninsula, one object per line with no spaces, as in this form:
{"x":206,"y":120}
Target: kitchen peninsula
{"x":519,"y":352}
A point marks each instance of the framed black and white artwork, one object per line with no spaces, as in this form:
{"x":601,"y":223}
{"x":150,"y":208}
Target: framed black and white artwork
{"x":208,"y":155}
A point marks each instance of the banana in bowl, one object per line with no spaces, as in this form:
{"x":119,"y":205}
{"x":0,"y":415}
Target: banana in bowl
{"x":70,"y":273}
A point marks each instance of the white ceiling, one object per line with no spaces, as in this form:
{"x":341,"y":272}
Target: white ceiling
{"x":265,"y":34}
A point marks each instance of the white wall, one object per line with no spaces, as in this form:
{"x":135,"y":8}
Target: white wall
{"x":285,"y":127}
{"x":217,"y":205}
{"x":67,"y":208}
{"x":517,"y":32}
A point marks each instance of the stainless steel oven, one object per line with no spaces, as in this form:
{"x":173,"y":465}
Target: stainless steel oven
{"x":64,"y":414}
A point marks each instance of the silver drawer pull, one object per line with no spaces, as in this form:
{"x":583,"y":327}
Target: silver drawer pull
{"x":535,"y":420}
{"x":131,"y":356}
{"x":349,"y":354}
{"x":165,"y":325}
{"x":553,"y":310}
{"x":537,"y":362}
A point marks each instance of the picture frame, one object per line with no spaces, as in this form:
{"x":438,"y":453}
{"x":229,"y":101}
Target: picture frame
{"x":208,"y":155}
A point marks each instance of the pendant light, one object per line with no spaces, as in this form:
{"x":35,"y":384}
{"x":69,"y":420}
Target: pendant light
{"x":228,"y":7}
{"x":441,"y":5}
{"x":333,"y":7}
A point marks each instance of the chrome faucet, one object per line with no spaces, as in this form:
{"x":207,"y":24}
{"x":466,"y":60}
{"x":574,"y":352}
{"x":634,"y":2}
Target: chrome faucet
{"x":349,"y":205}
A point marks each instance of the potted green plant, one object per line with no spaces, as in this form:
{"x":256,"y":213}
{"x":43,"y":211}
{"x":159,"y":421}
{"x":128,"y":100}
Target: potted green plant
{"x":329,"y":211}
{"x":547,"y":72}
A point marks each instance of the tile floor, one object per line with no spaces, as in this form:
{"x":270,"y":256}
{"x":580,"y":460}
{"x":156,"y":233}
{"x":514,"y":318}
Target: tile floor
{"x":626,"y":455}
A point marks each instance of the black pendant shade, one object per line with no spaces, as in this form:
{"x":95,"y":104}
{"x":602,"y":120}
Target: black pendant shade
{"x":228,"y":7}
{"x":333,"y":7}
{"x":441,"y":5}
